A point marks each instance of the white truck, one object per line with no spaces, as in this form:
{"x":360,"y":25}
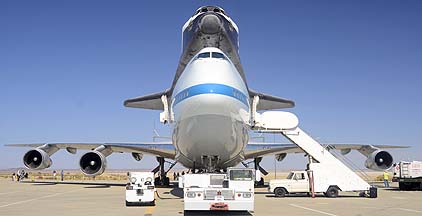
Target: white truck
{"x":319,"y":180}
{"x":140,"y":189}
{"x":231,"y":191}
{"x":408,"y":175}
{"x":296,"y":182}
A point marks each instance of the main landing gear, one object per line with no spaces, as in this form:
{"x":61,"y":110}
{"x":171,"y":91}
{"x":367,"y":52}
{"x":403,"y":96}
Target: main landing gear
{"x":162,"y":179}
{"x":257,"y":167}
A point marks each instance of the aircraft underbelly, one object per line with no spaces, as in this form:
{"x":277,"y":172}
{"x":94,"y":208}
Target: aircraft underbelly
{"x":212,"y":126}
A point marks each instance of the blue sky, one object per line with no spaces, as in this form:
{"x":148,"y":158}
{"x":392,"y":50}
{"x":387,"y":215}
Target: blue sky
{"x":354,"y":69}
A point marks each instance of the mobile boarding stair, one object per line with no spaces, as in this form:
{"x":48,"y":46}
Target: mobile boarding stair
{"x":325,"y":168}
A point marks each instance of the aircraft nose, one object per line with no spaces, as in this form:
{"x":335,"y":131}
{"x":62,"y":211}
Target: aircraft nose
{"x":210,"y":24}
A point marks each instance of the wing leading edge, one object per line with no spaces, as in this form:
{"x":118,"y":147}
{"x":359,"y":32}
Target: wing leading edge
{"x":261,"y":150}
{"x":151,"y":101}
{"x":161,"y":149}
{"x":269,"y":102}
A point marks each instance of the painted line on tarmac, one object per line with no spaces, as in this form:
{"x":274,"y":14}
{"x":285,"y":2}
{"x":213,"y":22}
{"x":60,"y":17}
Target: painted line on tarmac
{"x":314,"y":210}
{"x":408,"y":210}
{"x":38,"y":198}
{"x":149,"y":211}
{"x":9,"y":192}
{"x":401,"y":198}
{"x":402,"y":209}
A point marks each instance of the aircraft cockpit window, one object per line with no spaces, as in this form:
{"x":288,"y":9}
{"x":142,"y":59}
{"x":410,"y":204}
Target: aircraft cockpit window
{"x":218,"y":55}
{"x":204,"y":55}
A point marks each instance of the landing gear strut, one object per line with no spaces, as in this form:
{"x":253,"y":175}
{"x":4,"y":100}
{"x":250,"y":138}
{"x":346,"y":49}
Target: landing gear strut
{"x":162,"y":179}
{"x":256,"y":162}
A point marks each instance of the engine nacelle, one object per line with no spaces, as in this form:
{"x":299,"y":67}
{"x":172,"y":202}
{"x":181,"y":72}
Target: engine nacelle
{"x":93,"y":163}
{"x":37,"y":159}
{"x":379,"y":160}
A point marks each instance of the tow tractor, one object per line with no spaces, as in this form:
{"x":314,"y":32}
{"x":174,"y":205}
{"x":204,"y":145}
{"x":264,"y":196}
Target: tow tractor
{"x":230,"y":191}
{"x":140,"y":190}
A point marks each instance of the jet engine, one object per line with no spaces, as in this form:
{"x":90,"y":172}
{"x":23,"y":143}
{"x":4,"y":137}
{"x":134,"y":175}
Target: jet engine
{"x":37,"y":159}
{"x":94,"y":163}
{"x":379,"y":160}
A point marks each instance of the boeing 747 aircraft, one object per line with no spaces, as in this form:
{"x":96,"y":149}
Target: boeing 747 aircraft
{"x":209,"y":106}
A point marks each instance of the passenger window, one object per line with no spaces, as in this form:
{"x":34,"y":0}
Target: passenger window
{"x":218,"y":55}
{"x":204,"y":55}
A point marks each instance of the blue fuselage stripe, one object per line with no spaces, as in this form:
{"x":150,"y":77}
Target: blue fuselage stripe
{"x":211,"y":88}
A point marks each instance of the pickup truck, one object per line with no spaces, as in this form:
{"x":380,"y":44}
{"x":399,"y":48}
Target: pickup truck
{"x":296,"y":182}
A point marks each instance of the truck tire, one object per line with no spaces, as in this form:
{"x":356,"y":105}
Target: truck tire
{"x":401,"y":186}
{"x":332,"y":192}
{"x":405,"y":185}
{"x":167,"y":181}
{"x":280,"y":192}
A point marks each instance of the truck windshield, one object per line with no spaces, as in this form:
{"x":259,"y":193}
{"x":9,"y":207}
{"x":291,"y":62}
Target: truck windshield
{"x":241,"y":175}
{"x":216,"y":179}
{"x":290,"y":176}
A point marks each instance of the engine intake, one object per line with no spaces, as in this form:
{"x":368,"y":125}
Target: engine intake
{"x":37,"y":159}
{"x":93,"y":163}
{"x":379,"y":160}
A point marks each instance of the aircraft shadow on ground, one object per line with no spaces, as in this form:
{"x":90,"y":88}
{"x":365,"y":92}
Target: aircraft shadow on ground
{"x":398,"y":189}
{"x":98,"y":184}
{"x":43,"y":184}
{"x":319,"y":196}
{"x":178,"y":192}
{"x":262,"y":192}
{"x":192,"y":213}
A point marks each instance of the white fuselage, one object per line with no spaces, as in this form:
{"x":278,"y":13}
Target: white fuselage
{"x":210,"y":104}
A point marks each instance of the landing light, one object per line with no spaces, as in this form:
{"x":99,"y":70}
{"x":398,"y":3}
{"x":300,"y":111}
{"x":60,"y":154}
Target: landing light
{"x":191,"y":194}
{"x":133,"y":180}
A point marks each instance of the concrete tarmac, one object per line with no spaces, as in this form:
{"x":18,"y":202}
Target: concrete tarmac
{"x":69,"y":199}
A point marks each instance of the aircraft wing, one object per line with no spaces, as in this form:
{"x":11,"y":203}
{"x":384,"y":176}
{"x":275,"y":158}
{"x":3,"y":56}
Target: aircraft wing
{"x":151,"y":101}
{"x":269,"y":102}
{"x":162,"y":149}
{"x":260,"y":150}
